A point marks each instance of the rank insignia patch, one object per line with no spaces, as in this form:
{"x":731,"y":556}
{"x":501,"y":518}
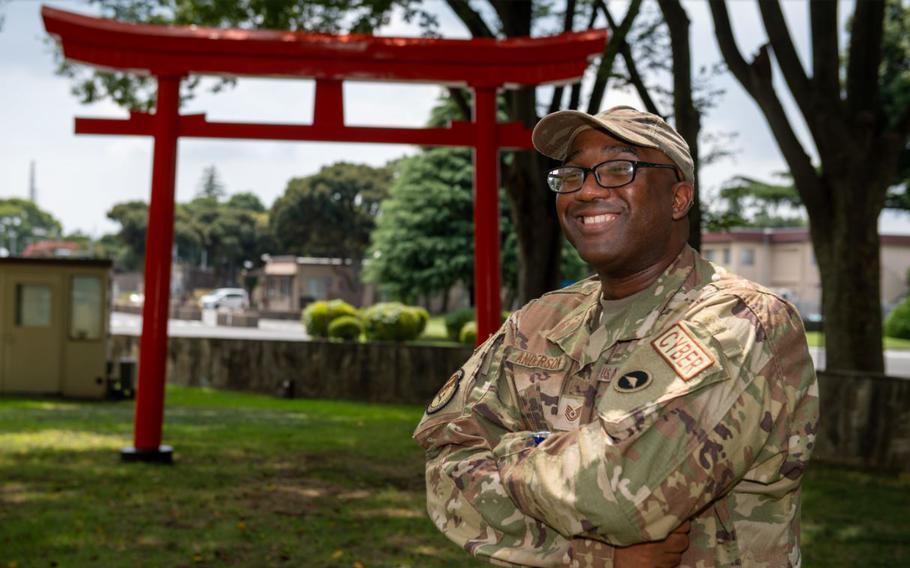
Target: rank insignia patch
{"x":446,"y":393}
{"x":633,"y":381}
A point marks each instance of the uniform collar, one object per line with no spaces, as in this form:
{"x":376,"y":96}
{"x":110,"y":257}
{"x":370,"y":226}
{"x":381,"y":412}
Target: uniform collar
{"x":580,"y":334}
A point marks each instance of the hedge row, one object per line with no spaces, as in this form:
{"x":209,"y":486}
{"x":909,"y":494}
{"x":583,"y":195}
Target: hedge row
{"x":388,"y":321}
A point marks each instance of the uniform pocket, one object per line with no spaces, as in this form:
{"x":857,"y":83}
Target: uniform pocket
{"x":657,"y":375}
{"x":537,"y":382}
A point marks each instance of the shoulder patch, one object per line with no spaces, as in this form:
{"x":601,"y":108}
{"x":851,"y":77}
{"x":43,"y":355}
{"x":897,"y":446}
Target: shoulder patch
{"x":446,"y":393}
{"x":537,"y":360}
{"x":682,"y":351}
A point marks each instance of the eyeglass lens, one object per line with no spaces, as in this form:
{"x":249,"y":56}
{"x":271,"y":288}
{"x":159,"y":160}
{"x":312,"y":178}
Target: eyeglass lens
{"x":613,"y":173}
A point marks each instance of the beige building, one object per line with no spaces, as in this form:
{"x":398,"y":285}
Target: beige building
{"x":783,"y":259}
{"x":54,"y":326}
{"x":289,"y":283}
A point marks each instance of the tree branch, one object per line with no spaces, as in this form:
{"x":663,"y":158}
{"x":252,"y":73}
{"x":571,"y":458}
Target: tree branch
{"x":567,"y":21}
{"x":575,"y":93}
{"x":756,"y":79}
{"x":825,"y":52}
{"x":632,"y":68}
{"x":782,"y":44}
{"x":865,"y":57}
{"x":611,"y":49}
{"x":471,"y":18}
{"x":638,"y":83}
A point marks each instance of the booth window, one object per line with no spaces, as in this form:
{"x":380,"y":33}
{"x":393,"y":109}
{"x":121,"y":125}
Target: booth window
{"x":86,"y":322}
{"x":33,"y":305}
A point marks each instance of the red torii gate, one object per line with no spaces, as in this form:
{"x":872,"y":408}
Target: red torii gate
{"x":170,"y":53}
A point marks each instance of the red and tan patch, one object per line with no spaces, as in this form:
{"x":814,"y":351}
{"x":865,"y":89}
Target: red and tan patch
{"x":682,"y":352}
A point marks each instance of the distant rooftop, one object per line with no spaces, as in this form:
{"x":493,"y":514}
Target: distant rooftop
{"x":782,"y":235}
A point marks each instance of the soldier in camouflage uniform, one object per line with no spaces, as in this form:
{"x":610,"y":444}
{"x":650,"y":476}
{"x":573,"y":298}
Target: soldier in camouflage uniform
{"x":661,"y":393}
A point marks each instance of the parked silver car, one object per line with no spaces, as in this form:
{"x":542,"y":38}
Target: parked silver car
{"x":231,"y":298}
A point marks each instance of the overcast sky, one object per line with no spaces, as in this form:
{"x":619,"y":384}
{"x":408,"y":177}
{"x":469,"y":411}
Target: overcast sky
{"x":80,"y":177}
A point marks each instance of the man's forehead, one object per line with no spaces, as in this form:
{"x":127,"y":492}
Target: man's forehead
{"x":608,"y":149}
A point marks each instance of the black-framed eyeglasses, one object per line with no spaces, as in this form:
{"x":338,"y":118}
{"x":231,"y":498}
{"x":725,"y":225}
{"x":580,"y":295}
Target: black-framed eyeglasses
{"x":608,"y":175}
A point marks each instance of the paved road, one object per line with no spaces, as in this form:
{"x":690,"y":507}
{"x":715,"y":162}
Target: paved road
{"x":285,"y":330}
{"x":897,"y":363}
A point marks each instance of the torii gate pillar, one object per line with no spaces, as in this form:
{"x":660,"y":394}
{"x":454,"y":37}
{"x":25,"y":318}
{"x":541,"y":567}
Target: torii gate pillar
{"x":486,"y":215}
{"x":159,"y":242}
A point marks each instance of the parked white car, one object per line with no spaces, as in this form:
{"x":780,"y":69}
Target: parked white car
{"x":231,"y":298}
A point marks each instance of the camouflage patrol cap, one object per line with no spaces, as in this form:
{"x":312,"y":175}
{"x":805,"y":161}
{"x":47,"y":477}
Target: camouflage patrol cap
{"x":555,"y":132}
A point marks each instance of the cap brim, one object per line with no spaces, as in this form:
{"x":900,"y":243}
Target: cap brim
{"x":555,"y":132}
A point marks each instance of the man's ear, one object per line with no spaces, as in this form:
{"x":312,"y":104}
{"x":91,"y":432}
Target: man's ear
{"x":683,"y":194}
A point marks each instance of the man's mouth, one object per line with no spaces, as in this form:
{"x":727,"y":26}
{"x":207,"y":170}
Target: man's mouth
{"x":601,"y":219}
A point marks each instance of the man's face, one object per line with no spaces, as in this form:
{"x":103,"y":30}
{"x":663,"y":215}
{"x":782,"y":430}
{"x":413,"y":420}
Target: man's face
{"x":619,"y":231}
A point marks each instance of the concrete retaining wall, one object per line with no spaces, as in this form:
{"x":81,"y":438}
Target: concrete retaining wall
{"x":373,"y":372}
{"x":865,"y":420}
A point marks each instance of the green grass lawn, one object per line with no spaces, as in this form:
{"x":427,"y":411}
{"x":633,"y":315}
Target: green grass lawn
{"x":268,"y":482}
{"x":435,"y":332}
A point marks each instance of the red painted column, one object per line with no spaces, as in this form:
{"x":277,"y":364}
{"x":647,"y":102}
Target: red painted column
{"x":486,"y":214}
{"x":158,"y":245}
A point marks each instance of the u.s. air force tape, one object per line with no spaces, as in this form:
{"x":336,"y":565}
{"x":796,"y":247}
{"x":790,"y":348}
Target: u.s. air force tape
{"x":446,"y":393}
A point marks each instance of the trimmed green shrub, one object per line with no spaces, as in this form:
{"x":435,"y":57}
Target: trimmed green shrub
{"x":455,"y":320}
{"x":393,"y":321}
{"x":423,"y":316}
{"x":318,"y":315}
{"x":468,"y":333}
{"x":898,"y":322}
{"x":348,"y":328}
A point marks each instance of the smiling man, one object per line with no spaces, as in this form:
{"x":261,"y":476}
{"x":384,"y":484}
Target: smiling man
{"x":661,"y":413}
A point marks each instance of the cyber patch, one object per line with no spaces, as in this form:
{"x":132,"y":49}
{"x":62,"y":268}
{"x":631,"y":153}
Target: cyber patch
{"x":682,"y":352}
{"x":446,"y":393}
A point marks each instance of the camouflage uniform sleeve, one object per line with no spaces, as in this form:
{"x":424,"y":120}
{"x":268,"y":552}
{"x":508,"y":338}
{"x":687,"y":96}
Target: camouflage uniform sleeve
{"x":634,"y":477}
{"x":465,"y":496}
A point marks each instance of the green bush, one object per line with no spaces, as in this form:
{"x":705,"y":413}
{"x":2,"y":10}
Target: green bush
{"x":393,"y":321}
{"x":318,"y":315}
{"x":898,"y":322}
{"x":468,"y":333}
{"x":456,"y":319}
{"x":423,"y":316}
{"x":348,"y":328}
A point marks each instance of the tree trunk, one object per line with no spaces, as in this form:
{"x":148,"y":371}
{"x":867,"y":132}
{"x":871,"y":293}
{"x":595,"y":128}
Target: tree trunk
{"x":849,"y":262}
{"x":686,"y":117}
{"x":536,"y":226}
{"x":533,"y":205}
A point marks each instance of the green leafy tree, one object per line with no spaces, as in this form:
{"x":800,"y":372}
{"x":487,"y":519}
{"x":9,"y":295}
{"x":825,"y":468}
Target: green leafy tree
{"x":423,"y":243}
{"x":22,"y":223}
{"x":132,"y":216}
{"x":223,"y":236}
{"x":330,"y":213}
{"x":246,"y":201}
{"x":424,"y":239}
{"x":755,"y":203}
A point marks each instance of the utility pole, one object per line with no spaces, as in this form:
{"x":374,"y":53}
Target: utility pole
{"x":32,"y":188}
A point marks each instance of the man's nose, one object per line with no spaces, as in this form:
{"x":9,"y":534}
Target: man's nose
{"x":591,"y":190}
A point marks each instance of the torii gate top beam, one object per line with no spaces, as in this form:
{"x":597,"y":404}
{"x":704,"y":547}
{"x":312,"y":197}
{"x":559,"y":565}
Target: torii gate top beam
{"x":181,"y":50}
